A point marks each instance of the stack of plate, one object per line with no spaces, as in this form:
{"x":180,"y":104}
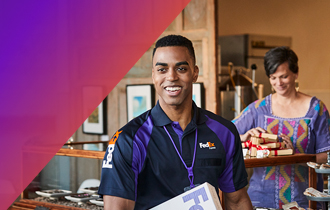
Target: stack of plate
{"x":53,"y":194}
{"x":98,"y":202}
{"x":81,"y":197}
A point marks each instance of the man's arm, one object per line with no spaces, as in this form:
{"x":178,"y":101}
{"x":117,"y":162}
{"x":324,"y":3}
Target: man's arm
{"x":117,"y":203}
{"x":238,"y":200}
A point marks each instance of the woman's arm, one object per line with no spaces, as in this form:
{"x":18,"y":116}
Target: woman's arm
{"x":252,"y":132}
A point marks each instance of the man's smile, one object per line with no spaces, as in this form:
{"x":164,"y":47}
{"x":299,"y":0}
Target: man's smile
{"x":173,"y":89}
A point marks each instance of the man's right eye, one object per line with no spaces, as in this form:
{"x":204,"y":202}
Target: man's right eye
{"x":161,"y":69}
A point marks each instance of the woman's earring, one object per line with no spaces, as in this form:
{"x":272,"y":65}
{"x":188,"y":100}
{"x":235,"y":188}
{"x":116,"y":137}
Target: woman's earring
{"x":297,"y":85}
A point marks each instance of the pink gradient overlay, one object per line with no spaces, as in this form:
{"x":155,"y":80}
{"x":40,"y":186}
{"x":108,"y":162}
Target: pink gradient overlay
{"x":49,"y":52}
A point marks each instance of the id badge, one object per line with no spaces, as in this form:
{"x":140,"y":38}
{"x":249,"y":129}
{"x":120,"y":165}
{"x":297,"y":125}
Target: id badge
{"x":189,"y":188}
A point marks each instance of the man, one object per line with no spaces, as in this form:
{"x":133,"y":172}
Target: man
{"x":174,"y":146}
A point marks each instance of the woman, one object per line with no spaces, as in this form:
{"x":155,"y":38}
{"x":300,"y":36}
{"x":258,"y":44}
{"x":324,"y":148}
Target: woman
{"x":301,"y":121}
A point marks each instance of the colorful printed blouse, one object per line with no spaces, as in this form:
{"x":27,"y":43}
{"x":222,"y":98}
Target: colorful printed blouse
{"x":275,"y":186}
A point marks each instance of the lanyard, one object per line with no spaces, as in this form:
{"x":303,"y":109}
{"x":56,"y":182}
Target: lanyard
{"x":189,"y":169}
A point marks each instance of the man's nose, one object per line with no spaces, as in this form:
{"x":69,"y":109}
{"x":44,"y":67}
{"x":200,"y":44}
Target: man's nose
{"x":172,"y":75}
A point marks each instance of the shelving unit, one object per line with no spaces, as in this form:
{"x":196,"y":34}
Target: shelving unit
{"x":253,"y":162}
{"x":249,"y":163}
{"x":322,"y":199}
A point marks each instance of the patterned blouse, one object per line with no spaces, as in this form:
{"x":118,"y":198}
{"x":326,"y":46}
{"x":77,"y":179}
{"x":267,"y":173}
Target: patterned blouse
{"x":275,"y":186}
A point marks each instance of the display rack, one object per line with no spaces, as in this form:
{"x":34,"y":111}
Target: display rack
{"x":322,"y":171}
{"x":249,"y":163}
{"x":253,"y":162}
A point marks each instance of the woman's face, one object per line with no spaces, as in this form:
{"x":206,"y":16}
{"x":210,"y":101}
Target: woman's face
{"x":283,"y":80}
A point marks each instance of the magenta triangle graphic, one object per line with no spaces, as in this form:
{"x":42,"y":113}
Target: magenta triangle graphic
{"x":49,"y":52}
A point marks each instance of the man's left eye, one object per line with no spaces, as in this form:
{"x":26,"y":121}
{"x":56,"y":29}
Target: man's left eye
{"x":181,"y":69}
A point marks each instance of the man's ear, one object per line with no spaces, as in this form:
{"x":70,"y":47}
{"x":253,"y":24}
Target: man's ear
{"x":196,"y":72}
{"x":152,"y":75}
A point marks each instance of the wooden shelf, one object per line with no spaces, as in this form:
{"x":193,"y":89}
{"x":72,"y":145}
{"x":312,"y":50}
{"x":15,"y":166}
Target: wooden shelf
{"x":285,"y":160}
{"x":279,"y":160}
{"x":249,"y":163}
{"x":25,"y":204}
{"x":81,"y":153}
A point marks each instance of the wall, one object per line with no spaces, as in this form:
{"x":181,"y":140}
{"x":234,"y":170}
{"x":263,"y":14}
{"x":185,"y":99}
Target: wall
{"x":307,"y":22}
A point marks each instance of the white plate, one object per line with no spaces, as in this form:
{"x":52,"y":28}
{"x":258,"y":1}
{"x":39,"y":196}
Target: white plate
{"x":89,"y":191}
{"x":312,"y":198}
{"x":97,"y":202}
{"x":322,"y":171}
{"x":52,"y":193}
{"x":82,"y":199}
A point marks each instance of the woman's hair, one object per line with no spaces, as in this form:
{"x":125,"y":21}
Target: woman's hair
{"x":278,"y":56}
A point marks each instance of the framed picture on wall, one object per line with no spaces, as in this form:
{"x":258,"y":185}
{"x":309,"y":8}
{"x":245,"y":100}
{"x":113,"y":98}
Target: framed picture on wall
{"x":139,"y":98}
{"x":96,"y":123}
{"x":198,"y":95}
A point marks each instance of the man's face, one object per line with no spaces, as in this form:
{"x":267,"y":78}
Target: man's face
{"x":173,"y":73}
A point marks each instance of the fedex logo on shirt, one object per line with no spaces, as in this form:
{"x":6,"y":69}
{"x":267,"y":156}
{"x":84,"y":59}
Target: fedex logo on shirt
{"x":207,"y":145}
{"x":111,"y":147}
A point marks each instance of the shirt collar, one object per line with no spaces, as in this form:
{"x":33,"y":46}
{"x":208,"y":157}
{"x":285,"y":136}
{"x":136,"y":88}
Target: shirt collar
{"x":160,"y":118}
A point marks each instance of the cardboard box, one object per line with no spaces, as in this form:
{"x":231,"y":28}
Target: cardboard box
{"x":273,"y":145}
{"x":292,"y":205}
{"x":201,"y":197}
{"x":281,"y":152}
{"x":266,"y":140}
{"x":253,"y":150}
{"x":268,"y":135}
{"x":246,"y":144}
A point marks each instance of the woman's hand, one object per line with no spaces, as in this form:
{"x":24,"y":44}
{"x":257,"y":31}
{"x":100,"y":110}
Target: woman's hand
{"x":252,"y":132}
{"x":287,"y":141}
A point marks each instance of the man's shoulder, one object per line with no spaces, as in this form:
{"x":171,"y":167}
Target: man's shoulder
{"x":218,"y":118}
{"x":131,"y":128}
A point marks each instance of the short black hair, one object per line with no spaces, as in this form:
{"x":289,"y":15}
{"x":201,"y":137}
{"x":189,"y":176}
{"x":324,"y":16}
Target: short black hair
{"x":175,"y":40}
{"x":279,"y":55}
